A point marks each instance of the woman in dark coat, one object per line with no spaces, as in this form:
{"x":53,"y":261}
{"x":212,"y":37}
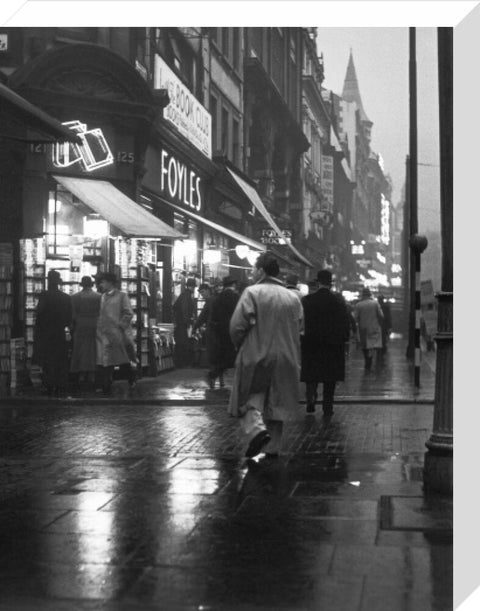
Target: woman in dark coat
{"x":221,"y":351}
{"x":327,"y":326}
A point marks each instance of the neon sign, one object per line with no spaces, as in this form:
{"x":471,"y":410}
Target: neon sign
{"x":92,"y":153}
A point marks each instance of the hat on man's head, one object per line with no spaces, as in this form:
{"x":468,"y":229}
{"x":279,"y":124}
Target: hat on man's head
{"x":109,"y":277}
{"x":292,"y":279}
{"x":324,"y":276}
{"x":366,"y":292}
{"x":229,"y":280}
{"x":86,"y":282}
{"x":191,"y":282}
{"x":54,"y":277}
{"x":204,"y":287}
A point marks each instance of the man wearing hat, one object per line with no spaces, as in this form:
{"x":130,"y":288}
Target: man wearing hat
{"x":369,"y":319}
{"x":222,"y":352}
{"x":327,"y":328}
{"x":183,"y":316}
{"x":114,"y":332}
{"x":53,"y":314}
{"x":85,"y":312}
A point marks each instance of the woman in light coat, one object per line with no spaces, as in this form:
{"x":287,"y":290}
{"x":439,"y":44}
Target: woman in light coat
{"x":369,"y":318}
{"x":114,"y":332}
{"x":265,"y":328}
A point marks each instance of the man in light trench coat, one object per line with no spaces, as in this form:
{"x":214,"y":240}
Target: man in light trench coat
{"x":114,"y":333}
{"x":265,"y":328}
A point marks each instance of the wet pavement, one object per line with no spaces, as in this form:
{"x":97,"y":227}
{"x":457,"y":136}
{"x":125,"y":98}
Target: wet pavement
{"x":136,"y":506}
{"x":390,"y":381}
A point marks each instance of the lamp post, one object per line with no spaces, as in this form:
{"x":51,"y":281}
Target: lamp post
{"x":438,"y":468}
{"x":412,"y":181}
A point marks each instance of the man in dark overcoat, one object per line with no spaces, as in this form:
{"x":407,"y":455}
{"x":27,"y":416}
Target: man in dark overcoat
{"x":50,"y":348}
{"x":327,"y":327}
{"x":183,"y":317}
{"x":222,"y":352}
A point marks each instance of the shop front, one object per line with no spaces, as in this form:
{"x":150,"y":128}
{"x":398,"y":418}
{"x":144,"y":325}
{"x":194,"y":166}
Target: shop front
{"x":182,"y":187}
{"x":79,"y":203}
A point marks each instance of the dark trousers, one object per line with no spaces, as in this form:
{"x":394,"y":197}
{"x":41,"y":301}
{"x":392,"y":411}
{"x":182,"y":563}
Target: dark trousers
{"x":106,"y":375}
{"x":328,"y":394}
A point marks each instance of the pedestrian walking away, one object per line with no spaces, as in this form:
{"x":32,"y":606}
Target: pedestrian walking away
{"x":387,"y":321}
{"x":114,"y":333}
{"x":327,"y":329}
{"x":291,"y":282}
{"x":85,"y":312}
{"x":53,"y":315}
{"x":265,"y":328}
{"x":222,"y":352}
{"x":369,"y":318}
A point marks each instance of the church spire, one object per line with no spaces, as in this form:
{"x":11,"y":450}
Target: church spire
{"x":351,"y":90}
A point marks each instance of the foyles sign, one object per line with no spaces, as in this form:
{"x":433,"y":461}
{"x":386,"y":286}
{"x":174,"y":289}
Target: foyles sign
{"x":180,"y":183}
{"x":187,"y":114}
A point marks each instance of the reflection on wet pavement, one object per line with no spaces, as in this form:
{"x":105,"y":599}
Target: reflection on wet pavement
{"x":120,"y":507}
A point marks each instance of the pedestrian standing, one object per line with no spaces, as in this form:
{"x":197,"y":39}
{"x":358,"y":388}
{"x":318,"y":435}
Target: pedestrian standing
{"x":85,"y":312}
{"x":222,"y":351}
{"x":53,"y":316}
{"x":265,"y":328}
{"x":200,"y":328}
{"x":369,"y":319}
{"x":114,"y":333}
{"x":327,"y":327}
{"x":183,"y":317}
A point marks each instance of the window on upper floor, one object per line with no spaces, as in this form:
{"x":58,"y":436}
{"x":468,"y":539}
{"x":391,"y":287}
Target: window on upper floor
{"x":225,"y":132}
{"x":226,"y":42}
{"x":256,"y":42}
{"x":214,"y":113}
{"x":179,"y":55}
{"x":236,"y":48}
{"x":236,"y":143}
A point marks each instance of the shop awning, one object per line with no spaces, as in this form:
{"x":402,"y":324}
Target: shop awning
{"x":254,"y":197}
{"x":34,"y":117}
{"x":116,"y":208}
{"x":220,"y":228}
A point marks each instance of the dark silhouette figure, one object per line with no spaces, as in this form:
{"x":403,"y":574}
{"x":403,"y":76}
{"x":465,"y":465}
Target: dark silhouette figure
{"x":222,"y":352}
{"x":387,"y":321}
{"x":50,"y":348}
{"x":327,"y":327}
{"x":183,"y":315}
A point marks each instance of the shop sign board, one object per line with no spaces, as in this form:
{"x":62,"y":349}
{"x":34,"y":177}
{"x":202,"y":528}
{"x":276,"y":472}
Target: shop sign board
{"x":92,"y":153}
{"x":385,"y":220}
{"x":327,"y":180}
{"x":184,"y":111}
{"x":180,"y":183}
{"x":270,"y":236}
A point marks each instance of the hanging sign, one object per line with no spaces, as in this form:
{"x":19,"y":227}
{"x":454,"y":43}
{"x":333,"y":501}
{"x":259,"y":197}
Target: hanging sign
{"x":184,"y":110}
{"x":92,"y":153}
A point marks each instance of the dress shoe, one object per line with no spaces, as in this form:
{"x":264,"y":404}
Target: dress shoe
{"x":310,"y":408}
{"x":257,"y":443}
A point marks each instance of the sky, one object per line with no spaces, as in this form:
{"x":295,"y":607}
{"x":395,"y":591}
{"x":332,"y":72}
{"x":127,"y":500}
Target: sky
{"x":381,"y":57}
